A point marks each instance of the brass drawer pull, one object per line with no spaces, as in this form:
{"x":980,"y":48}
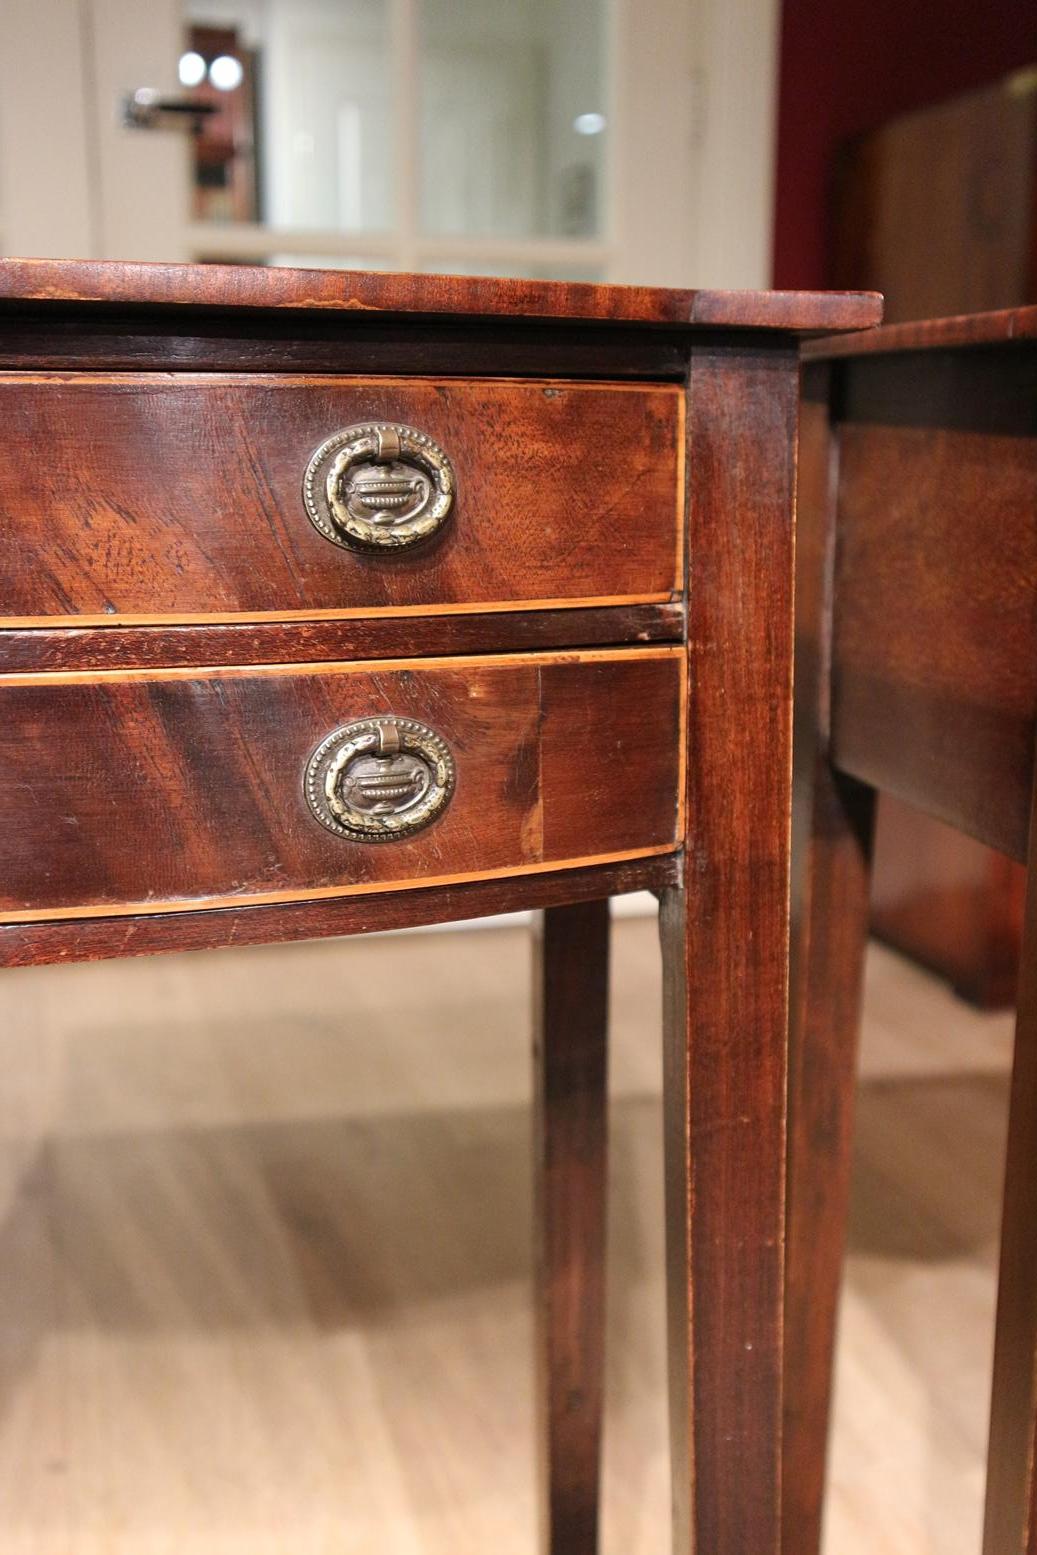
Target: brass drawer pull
{"x":379,"y":485}
{"x":379,"y":779}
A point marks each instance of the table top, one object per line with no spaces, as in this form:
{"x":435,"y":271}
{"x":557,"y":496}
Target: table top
{"x":262,"y":287}
{"x":1004,"y":327}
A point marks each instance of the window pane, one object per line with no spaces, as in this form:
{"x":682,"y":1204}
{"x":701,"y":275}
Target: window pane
{"x":513,"y":132}
{"x":302,"y":132}
{"x":521,"y":269}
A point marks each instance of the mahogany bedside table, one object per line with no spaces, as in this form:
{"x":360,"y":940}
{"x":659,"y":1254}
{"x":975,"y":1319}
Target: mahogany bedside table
{"x":338,"y":602}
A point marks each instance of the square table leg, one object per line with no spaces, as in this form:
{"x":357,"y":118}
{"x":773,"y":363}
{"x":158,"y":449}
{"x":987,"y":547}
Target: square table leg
{"x":725,"y":949}
{"x":570,"y":1141}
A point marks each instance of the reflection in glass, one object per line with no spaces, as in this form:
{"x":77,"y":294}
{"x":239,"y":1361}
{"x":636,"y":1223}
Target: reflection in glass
{"x":220,"y":69}
{"x":311,"y":122}
{"x":226,"y":72}
{"x":308,"y":82}
{"x":504,"y":85}
{"x":524,"y":270}
{"x":328,"y":262}
{"x":192,"y":68}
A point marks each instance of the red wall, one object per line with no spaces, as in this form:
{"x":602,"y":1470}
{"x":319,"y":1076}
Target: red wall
{"x":847,"y":66}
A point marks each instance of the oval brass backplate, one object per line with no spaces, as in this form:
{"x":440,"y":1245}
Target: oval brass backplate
{"x":380,"y":779}
{"x":379,"y":486}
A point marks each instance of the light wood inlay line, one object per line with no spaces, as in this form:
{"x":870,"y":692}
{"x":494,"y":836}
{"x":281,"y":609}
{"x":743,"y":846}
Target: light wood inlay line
{"x":363,"y":613}
{"x":346,"y":667}
{"x":12,"y":378}
{"x":323,"y":893}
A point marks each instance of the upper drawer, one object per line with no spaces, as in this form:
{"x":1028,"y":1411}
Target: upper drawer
{"x":182,"y":497}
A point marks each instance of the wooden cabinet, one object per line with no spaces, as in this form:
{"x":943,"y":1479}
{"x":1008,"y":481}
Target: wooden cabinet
{"x":339,"y":602}
{"x":938,"y":210}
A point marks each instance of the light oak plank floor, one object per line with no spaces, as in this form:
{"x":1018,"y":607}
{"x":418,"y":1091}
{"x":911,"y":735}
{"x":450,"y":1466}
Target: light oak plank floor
{"x":264,"y":1227}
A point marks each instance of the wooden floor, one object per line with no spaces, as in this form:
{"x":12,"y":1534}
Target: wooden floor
{"x":264,"y":1218}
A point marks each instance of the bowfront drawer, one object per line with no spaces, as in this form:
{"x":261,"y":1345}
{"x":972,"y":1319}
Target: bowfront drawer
{"x":143,"y":791}
{"x":199,"y":497}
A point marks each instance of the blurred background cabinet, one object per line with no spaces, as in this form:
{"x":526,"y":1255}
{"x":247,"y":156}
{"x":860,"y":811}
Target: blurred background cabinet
{"x":938,"y":210}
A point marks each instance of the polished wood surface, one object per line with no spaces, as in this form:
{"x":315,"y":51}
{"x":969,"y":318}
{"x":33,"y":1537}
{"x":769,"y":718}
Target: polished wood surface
{"x":36,"y":337}
{"x":938,"y":485}
{"x":931,"y":458}
{"x":570,"y":1063}
{"x":157,"y":740}
{"x":948,"y":902}
{"x":725,"y":940}
{"x":361,"y":636}
{"x":178,"y":787}
{"x":998,"y":327}
{"x":935,"y":208}
{"x":197,"y":1150}
{"x":179,"y":498}
{"x":148,"y":934}
{"x":832,"y":822}
{"x":229,"y":286}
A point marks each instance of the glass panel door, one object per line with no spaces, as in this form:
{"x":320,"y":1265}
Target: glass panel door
{"x":426,"y":134}
{"x":512,"y":118}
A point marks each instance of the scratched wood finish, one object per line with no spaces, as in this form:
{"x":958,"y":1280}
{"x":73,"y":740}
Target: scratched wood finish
{"x":150,"y":496}
{"x":725,"y":940}
{"x":361,"y":292}
{"x":832,"y":820}
{"x":937,"y":491}
{"x":570,"y":1168}
{"x":367,"y":637}
{"x":156,"y":790}
{"x":149,"y":934}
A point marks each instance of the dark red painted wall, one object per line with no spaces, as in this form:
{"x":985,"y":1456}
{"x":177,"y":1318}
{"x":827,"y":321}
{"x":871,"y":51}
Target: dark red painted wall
{"x":846,"y":67}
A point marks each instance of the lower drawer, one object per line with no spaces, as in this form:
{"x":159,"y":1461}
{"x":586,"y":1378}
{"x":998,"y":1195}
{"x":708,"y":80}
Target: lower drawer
{"x":166,"y":790}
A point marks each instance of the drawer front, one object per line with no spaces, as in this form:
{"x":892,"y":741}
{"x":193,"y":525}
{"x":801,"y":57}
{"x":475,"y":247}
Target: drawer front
{"x":143,"y":791}
{"x":182,"y":498}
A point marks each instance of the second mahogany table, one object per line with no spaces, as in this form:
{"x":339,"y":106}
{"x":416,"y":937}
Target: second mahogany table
{"x":916,"y":676}
{"x":338,"y":602}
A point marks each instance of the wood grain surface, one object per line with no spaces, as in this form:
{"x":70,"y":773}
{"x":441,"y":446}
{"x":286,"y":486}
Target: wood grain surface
{"x":1000,"y":327}
{"x":570,"y":1160}
{"x":134,"y":791}
{"x":930,"y":461}
{"x":934,"y":665}
{"x":103,"y":338}
{"x":725,"y":944}
{"x":360,"y":636}
{"x":177,"y":498}
{"x":267,"y":1247}
{"x":260,"y":287}
{"x":832,"y":819}
{"x":147,"y":934}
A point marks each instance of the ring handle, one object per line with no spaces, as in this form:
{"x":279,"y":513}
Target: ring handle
{"x":379,"y":486}
{"x":380,"y":779}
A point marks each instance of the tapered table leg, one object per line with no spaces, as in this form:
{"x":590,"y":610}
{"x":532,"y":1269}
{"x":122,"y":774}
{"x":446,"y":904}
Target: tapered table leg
{"x":832,"y":830}
{"x":570,"y":1167}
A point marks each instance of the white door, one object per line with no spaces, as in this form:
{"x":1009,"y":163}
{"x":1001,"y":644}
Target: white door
{"x":627,"y":140}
